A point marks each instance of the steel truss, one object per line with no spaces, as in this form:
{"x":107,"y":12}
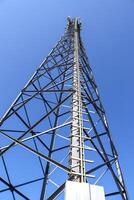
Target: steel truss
{"x":56,"y":130}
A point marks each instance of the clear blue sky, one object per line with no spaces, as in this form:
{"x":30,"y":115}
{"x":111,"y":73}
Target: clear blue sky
{"x":30,"y":28}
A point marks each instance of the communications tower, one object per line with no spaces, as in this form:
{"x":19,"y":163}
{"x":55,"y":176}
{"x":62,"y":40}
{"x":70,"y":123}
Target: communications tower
{"x":55,"y":142}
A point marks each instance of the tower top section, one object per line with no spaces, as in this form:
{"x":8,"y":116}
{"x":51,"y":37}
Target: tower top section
{"x":73,"y":22}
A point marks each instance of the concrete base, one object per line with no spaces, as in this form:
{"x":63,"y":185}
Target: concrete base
{"x":83,"y":191}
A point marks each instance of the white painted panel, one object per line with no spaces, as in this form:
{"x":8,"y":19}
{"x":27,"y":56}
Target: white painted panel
{"x":97,"y":192}
{"x":83,"y":191}
{"x":77,"y":191}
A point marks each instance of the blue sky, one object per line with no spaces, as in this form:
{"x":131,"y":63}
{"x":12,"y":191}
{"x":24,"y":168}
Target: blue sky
{"x":28,"y":31}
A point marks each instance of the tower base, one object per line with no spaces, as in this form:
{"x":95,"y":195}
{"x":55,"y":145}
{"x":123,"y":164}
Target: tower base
{"x":83,"y":191}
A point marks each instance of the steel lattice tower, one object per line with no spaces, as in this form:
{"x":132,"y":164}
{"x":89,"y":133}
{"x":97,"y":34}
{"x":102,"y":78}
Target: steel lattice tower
{"x":56,"y":130}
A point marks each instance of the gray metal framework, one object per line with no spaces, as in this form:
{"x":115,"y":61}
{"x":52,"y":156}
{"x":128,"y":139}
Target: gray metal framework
{"x":56,"y":130}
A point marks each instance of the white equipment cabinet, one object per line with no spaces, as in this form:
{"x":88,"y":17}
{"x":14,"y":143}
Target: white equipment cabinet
{"x":83,"y":191}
